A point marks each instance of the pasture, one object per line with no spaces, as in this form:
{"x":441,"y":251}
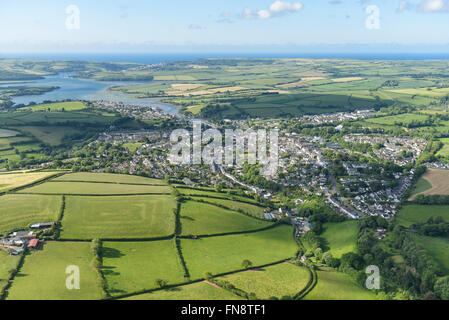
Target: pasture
{"x":86,"y":188}
{"x":195,"y":291}
{"x":50,"y":135}
{"x":7,"y":263}
{"x":411,"y":214}
{"x":439,"y":181}
{"x":58,"y":106}
{"x":4,"y":133}
{"x":250,"y":209}
{"x":334,"y":285}
{"x":421,"y":186}
{"x":19,"y":211}
{"x":43,"y":275}
{"x":135,"y":266}
{"x":108,"y":177}
{"x":340,"y":238}
{"x":10,"y":181}
{"x":437,"y":248}
{"x":224,"y":254}
{"x":277,"y":281}
{"x":118,"y":217}
{"x":205,"y":219}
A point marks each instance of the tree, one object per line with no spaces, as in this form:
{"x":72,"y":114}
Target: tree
{"x":246,"y":264}
{"x":442,"y":288}
{"x":161,"y":283}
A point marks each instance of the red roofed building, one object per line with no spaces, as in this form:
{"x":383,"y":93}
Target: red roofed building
{"x":33,"y":243}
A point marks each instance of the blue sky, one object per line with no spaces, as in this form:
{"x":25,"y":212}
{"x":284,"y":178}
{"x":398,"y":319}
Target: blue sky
{"x":138,"y":25}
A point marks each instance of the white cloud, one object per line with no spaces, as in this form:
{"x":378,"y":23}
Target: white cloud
{"x":276,"y":8}
{"x":430,"y":6}
{"x":404,"y":5}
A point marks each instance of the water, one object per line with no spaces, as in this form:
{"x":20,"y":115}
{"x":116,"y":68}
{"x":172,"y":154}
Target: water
{"x":81,"y":89}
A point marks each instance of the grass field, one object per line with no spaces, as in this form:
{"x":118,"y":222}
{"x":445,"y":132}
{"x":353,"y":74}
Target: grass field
{"x":19,"y":211}
{"x":334,"y":285}
{"x":85,"y":188}
{"x":438,"y":248}
{"x":130,"y":267}
{"x":14,"y":180}
{"x":341,"y":238}
{"x":275,"y":281}
{"x":109,"y":177}
{"x":205,"y":219}
{"x":253,"y":210}
{"x":196,"y":291}
{"x":7,"y":263}
{"x":212,"y":193}
{"x":439,"y":181}
{"x":43,"y":275}
{"x":50,"y":135}
{"x":421,"y":186}
{"x":411,"y":214}
{"x":58,"y":106}
{"x":118,"y":217}
{"x":223,"y":254}
{"x":4,"y":133}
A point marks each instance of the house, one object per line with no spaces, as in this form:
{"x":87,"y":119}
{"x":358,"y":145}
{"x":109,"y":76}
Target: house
{"x":33,"y":244}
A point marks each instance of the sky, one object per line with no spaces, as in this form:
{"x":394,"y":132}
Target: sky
{"x":173,"y":25}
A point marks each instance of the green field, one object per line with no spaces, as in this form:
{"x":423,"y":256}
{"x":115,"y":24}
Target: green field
{"x":108,"y":177}
{"x":437,"y":248}
{"x":52,"y":136}
{"x":58,"y":106}
{"x":210,"y":194}
{"x":250,"y":209}
{"x":421,"y":186}
{"x":135,"y":266}
{"x":43,"y":275}
{"x":7,"y":263}
{"x":118,"y":217}
{"x":19,"y":211}
{"x":85,"y":188}
{"x":275,"y":281}
{"x":341,"y":238}
{"x":4,"y":133}
{"x":196,"y":291}
{"x":20,"y":179}
{"x":205,"y":219}
{"x":223,"y":254}
{"x":411,"y":214}
{"x":334,"y":285}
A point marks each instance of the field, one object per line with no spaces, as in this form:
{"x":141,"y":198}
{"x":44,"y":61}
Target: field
{"x":223,"y":254}
{"x":14,"y":180}
{"x":131,"y":267}
{"x":411,"y":214}
{"x":341,"y":238}
{"x":4,"y":133}
{"x":421,"y":186}
{"x":439,"y":181}
{"x":437,"y":248}
{"x":275,"y":281}
{"x":118,"y":217}
{"x":52,"y":136}
{"x":196,"y":291}
{"x":205,"y":219}
{"x":334,"y":285}
{"x":107,"y":177}
{"x":7,"y":263}
{"x":19,"y":211}
{"x":58,"y":106}
{"x":85,"y":188}
{"x":43,"y":275}
{"x":250,"y":209}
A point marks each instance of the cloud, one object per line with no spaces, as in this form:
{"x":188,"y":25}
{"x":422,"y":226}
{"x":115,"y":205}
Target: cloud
{"x":194,"y":26}
{"x":277,"y":8}
{"x":430,"y":6}
{"x":403,"y":5}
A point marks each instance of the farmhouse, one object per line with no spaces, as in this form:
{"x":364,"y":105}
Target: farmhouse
{"x":33,"y":244}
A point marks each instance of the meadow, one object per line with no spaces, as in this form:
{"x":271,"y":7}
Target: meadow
{"x":250,"y":209}
{"x":340,"y":238}
{"x":277,"y":281}
{"x":4,"y":133}
{"x":118,"y":217}
{"x":223,"y":254}
{"x":58,"y":106}
{"x":43,"y":275}
{"x":334,"y":285}
{"x":411,"y":214}
{"x":437,"y":248}
{"x":135,"y":266}
{"x":205,"y":219}
{"x":7,"y":263}
{"x":109,"y":177}
{"x":19,"y":211}
{"x":421,"y":186}
{"x":10,"y":181}
{"x":86,"y":188}
{"x":49,"y":135}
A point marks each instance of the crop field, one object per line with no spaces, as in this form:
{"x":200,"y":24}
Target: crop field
{"x":4,"y":133}
{"x":205,"y":219}
{"x":341,"y":238}
{"x":334,"y":285}
{"x":135,"y":266}
{"x":7,"y":263}
{"x":250,"y":209}
{"x":437,"y":248}
{"x":275,"y":281}
{"x":118,"y":217}
{"x":86,"y":188}
{"x":223,"y":254}
{"x":49,"y":135}
{"x":421,"y":186}
{"x":43,"y":275}
{"x":14,"y":180}
{"x":58,"y":106}
{"x":411,"y":214}
{"x":108,"y":177}
{"x":19,"y":211}
{"x":195,"y":291}
{"x":439,"y":180}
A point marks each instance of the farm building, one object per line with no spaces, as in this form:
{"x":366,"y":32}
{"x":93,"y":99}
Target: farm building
{"x":33,"y":244}
{"x":44,"y":225}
